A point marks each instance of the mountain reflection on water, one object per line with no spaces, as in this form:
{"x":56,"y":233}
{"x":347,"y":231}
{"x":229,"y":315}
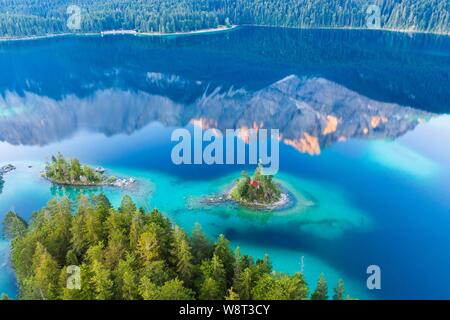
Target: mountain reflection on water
{"x":316,"y":86}
{"x":310,"y":113}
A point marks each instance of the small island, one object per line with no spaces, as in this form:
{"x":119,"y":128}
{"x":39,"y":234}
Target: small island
{"x":70,"y":172}
{"x":259,"y":191}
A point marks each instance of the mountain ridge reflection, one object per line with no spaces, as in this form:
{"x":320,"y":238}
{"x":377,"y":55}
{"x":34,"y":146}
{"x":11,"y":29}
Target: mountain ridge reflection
{"x":411,"y":70}
{"x":311,"y":113}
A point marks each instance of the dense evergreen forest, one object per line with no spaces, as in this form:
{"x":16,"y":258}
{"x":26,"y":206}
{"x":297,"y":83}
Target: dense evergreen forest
{"x":38,"y":17}
{"x":126,"y":253}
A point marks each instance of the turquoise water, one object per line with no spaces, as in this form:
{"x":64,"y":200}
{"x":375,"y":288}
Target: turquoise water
{"x":181,"y":201}
{"x":373,"y":189}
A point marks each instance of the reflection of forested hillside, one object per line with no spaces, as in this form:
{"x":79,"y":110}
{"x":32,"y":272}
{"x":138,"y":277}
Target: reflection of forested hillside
{"x":390,"y":67}
{"x":31,"y":17}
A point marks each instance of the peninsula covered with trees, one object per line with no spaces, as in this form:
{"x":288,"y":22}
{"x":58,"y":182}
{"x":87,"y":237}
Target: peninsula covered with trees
{"x":71,"y":172}
{"x":20,"y":18}
{"x":127,"y":253}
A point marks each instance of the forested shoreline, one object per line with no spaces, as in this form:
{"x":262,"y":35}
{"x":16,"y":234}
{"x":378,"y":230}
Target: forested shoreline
{"x":129,"y":254}
{"x":20,"y":18}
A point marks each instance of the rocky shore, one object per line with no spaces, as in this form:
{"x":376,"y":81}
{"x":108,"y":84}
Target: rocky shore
{"x":285,"y":200}
{"x":105,"y":181}
{"x":282,"y":202}
{"x":123,"y":183}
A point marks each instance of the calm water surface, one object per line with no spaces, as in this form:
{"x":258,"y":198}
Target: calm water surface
{"x":365,"y":124}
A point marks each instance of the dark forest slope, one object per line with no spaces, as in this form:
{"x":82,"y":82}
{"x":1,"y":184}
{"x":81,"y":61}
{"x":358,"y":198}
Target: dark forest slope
{"x":37,"y":17}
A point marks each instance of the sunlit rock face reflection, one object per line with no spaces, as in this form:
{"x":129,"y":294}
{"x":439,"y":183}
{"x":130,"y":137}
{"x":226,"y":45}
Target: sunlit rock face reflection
{"x":311,"y":113}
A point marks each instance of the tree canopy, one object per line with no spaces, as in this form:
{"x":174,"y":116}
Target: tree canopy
{"x":127,"y":253}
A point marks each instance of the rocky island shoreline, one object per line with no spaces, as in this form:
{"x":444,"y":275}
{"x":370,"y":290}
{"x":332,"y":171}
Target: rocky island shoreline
{"x":258,"y":192}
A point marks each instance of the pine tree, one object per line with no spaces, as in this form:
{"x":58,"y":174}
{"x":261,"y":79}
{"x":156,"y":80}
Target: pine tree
{"x":266,"y":288}
{"x":293,"y":287}
{"x":126,"y":278}
{"x":102,"y":206}
{"x":78,"y":231}
{"x":117,"y":246}
{"x":45,"y":274}
{"x":127,"y":206}
{"x":174,"y":290}
{"x":210,"y":290}
{"x":162,"y":226}
{"x":321,"y":292}
{"x":238,"y":268}
{"x":148,"y":247}
{"x":58,"y":224}
{"x":339,"y":291}
{"x":94,"y":226}
{"x":183,"y":256}
{"x":246,"y":281}
{"x":136,"y":229}
{"x":71,"y":259}
{"x":147,"y":289}
{"x":157,"y":271}
{"x":218,"y":273}
{"x":232,"y":295}
{"x":223,"y":252}
{"x":101,"y":281}
{"x":13,"y":226}
{"x":264,"y":265}
{"x":201,"y":247}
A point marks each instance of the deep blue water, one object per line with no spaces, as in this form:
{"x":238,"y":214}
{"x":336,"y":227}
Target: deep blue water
{"x":379,"y":179}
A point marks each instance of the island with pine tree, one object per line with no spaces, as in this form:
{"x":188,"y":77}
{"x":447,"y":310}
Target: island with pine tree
{"x":258,"y":191}
{"x":70,"y":172}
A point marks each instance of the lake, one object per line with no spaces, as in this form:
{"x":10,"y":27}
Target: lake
{"x":364,"y":119}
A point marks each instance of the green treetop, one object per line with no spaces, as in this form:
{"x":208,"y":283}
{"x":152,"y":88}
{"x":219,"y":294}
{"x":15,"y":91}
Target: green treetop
{"x":321,"y":292}
{"x":62,"y":171}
